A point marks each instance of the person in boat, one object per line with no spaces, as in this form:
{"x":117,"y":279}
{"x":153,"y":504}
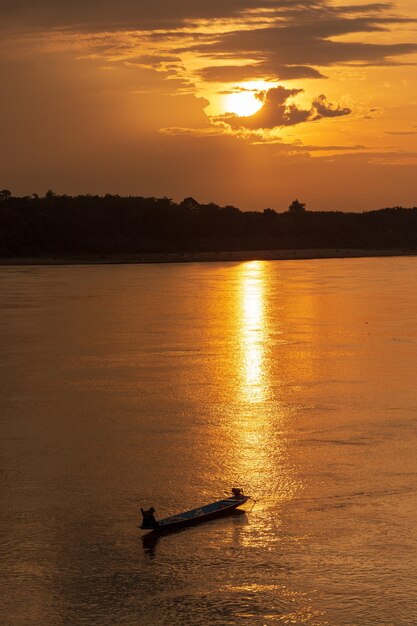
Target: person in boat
{"x":149,"y":517}
{"x":238,"y":493}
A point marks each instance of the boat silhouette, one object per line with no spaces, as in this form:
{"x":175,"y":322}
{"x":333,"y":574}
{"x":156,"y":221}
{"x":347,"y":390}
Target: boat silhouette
{"x":220,"y":508}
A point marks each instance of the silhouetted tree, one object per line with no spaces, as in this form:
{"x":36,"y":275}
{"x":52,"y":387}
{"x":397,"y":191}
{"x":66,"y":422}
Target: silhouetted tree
{"x":5,"y":194}
{"x":190,"y":203}
{"x":297,"y":207}
{"x":61,"y":225}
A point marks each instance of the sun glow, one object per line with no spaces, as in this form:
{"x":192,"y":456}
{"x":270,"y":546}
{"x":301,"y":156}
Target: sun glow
{"x":243,"y":103}
{"x":242,"y":99}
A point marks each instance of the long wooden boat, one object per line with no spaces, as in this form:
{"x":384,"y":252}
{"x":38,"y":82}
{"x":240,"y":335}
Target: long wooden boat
{"x":220,"y":508}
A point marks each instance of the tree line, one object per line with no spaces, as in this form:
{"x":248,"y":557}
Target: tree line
{"x":62,"y":225}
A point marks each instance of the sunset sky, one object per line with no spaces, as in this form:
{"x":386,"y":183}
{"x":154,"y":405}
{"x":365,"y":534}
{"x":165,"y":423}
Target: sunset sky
{"x":242,"y":102}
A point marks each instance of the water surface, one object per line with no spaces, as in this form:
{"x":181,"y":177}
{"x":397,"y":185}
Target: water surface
{"x":165,"y":385}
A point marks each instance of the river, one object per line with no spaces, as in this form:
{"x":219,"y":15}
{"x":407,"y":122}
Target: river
{"x":165,"y":385}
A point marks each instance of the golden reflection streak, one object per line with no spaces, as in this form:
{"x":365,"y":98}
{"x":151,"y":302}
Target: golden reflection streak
{"x":252,"y":331}
{"x":261,"y":420}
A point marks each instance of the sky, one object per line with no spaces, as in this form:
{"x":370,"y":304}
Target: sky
{"x":251,"y":103}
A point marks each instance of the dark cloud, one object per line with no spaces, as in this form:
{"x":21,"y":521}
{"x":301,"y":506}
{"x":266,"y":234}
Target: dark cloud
{"x":366,"y":8}
{"x":325,"y":109}
{"x":291,"y":72}
{"x":302,"y":40}
{"x":336,"y":148}
{"x":302,"y":45}
{"x":401,"y":132}
{"x":266,"y":71}
{"x":290,"y":39}
{"x":393,"y":157}
{"x":153,"y":60}
{"x":276,"y":111}
{"x":96,"y":15}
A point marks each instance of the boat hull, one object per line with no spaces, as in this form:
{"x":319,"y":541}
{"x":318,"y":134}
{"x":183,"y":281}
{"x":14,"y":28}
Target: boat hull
{"x":222,"y":508}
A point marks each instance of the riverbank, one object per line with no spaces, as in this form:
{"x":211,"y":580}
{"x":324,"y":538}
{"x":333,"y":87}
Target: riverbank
{"x":206,"y":257}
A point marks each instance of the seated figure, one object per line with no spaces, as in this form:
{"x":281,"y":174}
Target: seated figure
{"x":237,"y":493}
{"x":149,"y":520}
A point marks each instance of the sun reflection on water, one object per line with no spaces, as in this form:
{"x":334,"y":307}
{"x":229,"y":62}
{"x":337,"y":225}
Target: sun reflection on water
{"x":261,"y":421}
{"x":253,"y":421}
{"x":252,"y":331}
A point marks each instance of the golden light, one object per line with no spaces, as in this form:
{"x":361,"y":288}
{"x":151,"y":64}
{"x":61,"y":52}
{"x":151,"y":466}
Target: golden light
{"x":252,"y":331}
{"x":243,"y":103}
{"x":259,"y":420}
{"x":242,"y":100}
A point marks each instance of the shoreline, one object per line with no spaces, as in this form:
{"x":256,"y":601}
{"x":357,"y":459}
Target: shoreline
{"x":209,"y":257}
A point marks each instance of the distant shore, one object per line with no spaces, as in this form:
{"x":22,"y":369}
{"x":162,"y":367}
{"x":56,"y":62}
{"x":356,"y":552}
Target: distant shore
{"x":206,"y":257}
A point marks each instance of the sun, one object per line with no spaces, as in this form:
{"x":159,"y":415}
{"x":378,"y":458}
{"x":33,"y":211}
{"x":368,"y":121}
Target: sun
{"x":241,"y":99}
{"x":242,"y":103}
